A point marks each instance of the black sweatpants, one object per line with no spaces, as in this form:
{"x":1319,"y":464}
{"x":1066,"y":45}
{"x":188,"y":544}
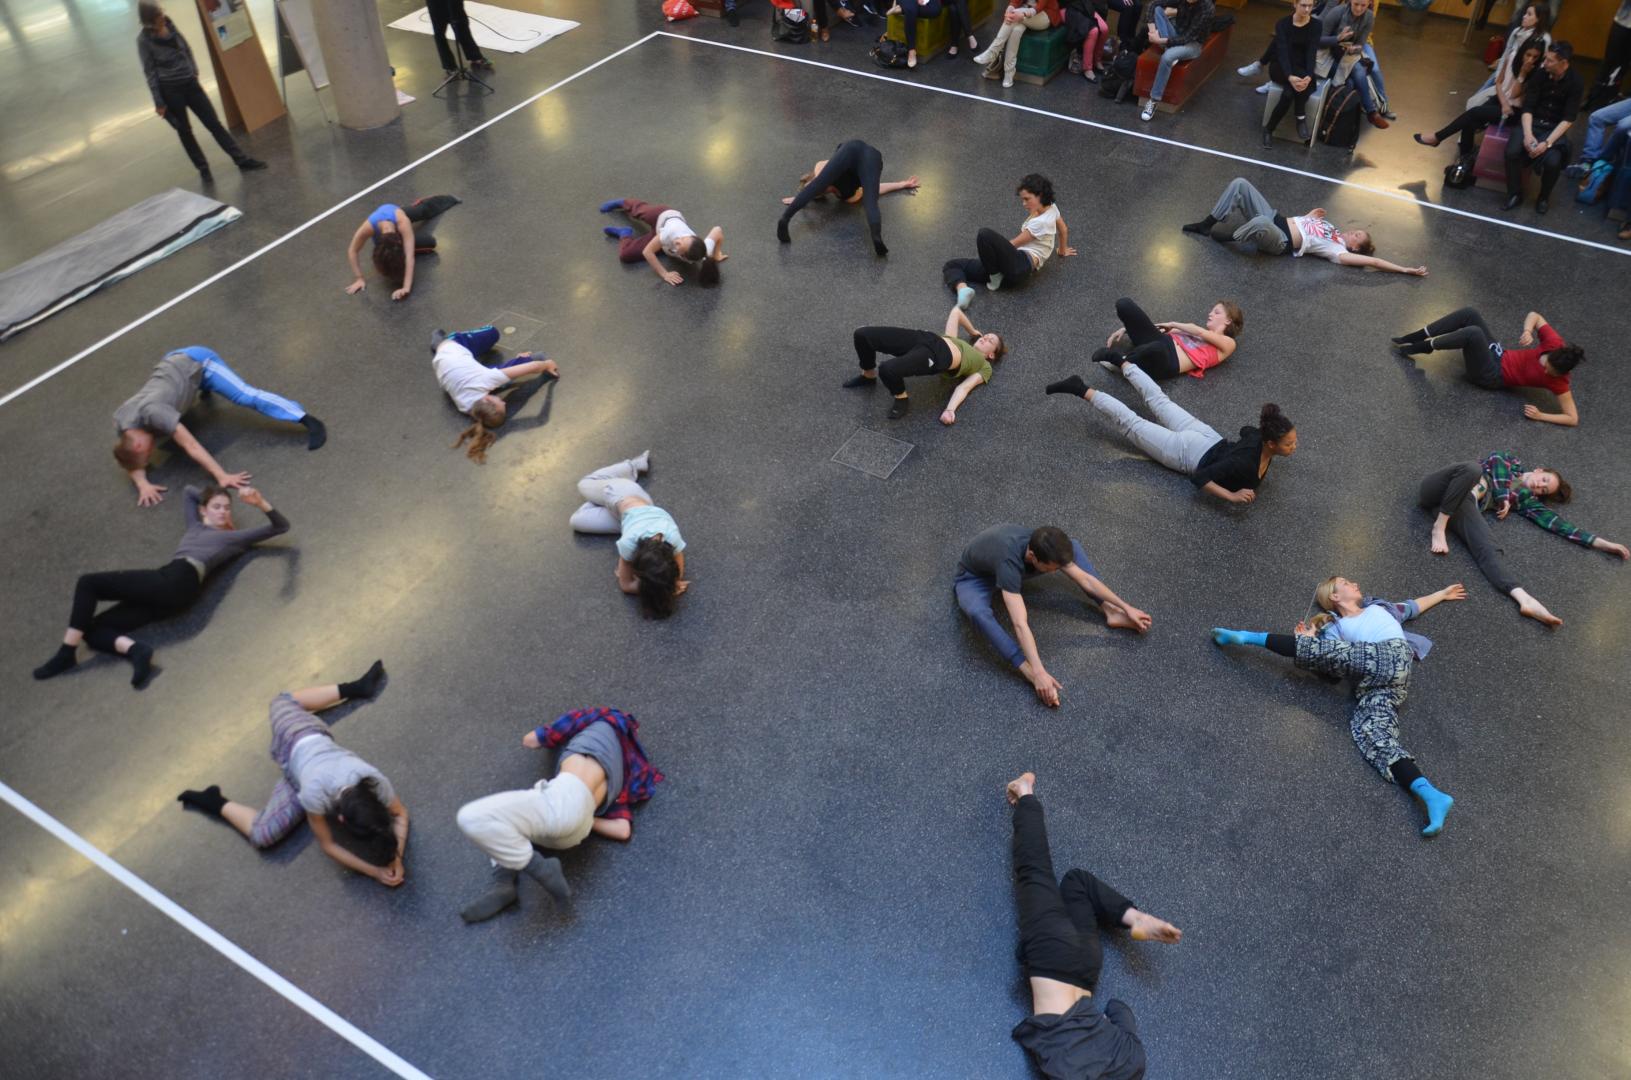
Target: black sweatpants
{"x":1449,"y":491}
{"x":1288,"y":96}
{"x":1059,"y":922}
{"x":1550,"y":163}
{"x":1156,"y":353}
{"x":853,"y":163}
{"x":181,"y":96}
{"x":1470,"y":123}
{"x":912,"y":352}
{"x":1466,"y":330}
{"x":423,"y":213}
{"x":142,"y":596}
{"x":442,"y":13}
{"x":997,"y":256}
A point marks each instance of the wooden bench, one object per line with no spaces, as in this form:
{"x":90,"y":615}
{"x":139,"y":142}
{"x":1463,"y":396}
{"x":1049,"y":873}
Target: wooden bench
{"x":934,"y":34}
{"x":1187,"y":75}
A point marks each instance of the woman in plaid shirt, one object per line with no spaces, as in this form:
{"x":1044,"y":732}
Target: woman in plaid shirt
{"x":1461,"y":493}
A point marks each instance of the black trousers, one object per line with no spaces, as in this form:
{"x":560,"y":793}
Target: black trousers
{"x":997,"y":256}
{"x":181,"y":96}
{"x":423,"y":213}
{"x":1059,"y":922}
{"x":1156,"y":353}
{"x":142,"y":596}
{"x":912,"y":352}
{"x":1471,"y":122}
{"x":855,"y":164}
{"x":1288,"y":96}
{"x":1449,"y":491}
{"x":442,"y":14}
{"x":1466,"y":330}
{"x":1616,"y":56}
{"x":1550,"y":163}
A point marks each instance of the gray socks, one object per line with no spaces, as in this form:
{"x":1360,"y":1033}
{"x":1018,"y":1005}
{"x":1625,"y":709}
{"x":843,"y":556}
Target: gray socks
{"x":547,"y":872}
{"x":501,"y":896}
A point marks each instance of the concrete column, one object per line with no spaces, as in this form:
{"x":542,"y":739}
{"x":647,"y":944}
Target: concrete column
{"x":353,"y":44}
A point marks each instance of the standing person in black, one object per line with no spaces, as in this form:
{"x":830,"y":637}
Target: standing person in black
{"x":172,"y":76}
{"x":1071,"y":1036}
{"x":1291,"y":64}
{"x":443,"y":13}
{"x":1551,"y":101}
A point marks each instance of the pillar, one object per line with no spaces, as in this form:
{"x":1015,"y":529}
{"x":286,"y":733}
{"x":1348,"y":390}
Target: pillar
{"x":353,"y":44}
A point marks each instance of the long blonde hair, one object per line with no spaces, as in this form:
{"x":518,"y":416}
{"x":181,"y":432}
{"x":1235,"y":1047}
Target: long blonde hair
{"x":480,"y":434}
{"x":1325,"y":598}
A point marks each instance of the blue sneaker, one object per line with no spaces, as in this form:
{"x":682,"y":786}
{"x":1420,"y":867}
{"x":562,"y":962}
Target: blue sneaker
{"x":620,"y":232}
{"x":611,"y":206}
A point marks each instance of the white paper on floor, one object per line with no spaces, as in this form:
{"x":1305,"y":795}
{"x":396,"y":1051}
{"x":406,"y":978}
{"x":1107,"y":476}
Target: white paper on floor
{"x":495,"y":28}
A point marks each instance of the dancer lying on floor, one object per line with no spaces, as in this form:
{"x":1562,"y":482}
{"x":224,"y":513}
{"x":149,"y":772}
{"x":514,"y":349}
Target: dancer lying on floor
{"x":399,"y":233}
{"x":650,"y":549}
{"x":145,"y":596}
{"x":1003,"y":261}
{"x":854,"y":173}
{"x":1545,"y":361}
{"x":1272,"y":233}
{"x":470,"y":383}
{"x":1363,"y":638}
{"x":353,"y":810}
{"x":919,"y":352}
{"x":1069,"y":1034}
{"x":1000,"y":560}
{"x":1461,"y":493}
{"x":1169,"y":349}
{"x":1226,"y":470}
{"x":600,"y":773}
{"x":155,"y":411}
{"x":670,"y":236}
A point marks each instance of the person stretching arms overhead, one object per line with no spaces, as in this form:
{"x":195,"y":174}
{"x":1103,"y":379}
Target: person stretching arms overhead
{"x":1275,"y":234}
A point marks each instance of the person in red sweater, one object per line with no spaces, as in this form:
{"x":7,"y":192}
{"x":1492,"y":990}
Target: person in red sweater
{"x":1545,"y":359}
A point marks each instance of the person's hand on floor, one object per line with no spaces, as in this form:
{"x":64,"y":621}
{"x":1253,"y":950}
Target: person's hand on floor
{"x":356,"y":287}
{"x":149,"y":494}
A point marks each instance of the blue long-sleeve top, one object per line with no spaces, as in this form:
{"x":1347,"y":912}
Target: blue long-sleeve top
{"x":1420,"y":645}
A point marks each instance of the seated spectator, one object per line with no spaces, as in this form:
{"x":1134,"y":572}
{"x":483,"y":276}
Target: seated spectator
{"x":1498,"y":103}
{"x":1550,"y":102}
{"x":910,"y":11}
{"x":1179,"y":36}
{"x":1598,"y":135}
{"x":1086,"y":30}
{"x":1530,"y":25}
{"x":1345,"y":32}
{"x":1296,"y":51}
{"x":1020,"y":16}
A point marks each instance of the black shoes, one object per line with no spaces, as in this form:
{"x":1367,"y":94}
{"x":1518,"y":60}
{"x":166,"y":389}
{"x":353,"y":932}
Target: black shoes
{"x":1512,"y":202}
{"x":1302,"y":129}
{"x":1268,"y":139}
{"x":250,"y":164}
{"x":732,"y":18}
{"x":206,"y":176}
{"x":1542,"y":205}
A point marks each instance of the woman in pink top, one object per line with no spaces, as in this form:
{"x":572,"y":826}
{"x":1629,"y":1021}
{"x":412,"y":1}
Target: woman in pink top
{"x":1169,"y":349}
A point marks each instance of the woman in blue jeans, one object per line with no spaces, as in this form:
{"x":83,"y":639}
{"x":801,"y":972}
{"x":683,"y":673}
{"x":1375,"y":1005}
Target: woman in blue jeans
{"x":1180,"y":36}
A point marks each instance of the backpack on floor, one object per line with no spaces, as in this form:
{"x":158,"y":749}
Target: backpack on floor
{"x":791,"y":25}
{"x":1596,"y":185}
{"x":1459,"y":174}
{"x":1342,"y":119}
{"x":1116,"y":82}
{"x":889,"y":54}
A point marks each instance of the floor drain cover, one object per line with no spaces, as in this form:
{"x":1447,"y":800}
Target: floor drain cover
{"x":872,"y":452}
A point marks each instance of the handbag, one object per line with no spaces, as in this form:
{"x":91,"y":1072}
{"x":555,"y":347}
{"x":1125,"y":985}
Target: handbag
{"x":889,"y":54}
{"x":675,"y":10}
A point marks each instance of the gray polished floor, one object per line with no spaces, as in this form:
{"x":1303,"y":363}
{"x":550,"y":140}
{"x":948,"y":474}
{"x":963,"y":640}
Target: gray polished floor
{"x":821,"y":887}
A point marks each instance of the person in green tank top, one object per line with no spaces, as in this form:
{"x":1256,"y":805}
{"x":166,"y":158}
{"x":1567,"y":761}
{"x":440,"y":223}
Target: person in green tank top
{"x":922,"y":352}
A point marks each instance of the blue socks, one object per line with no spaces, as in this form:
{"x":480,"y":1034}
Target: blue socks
{"x":611,"y":206}
{"x":1238,"y":637}
{"x":965,"y":297}
{"x":1438,"y":804}
{"x":619,"y":231}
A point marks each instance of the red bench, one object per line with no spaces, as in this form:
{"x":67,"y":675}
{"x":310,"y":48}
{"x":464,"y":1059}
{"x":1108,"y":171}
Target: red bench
{"x":1187,"y":75}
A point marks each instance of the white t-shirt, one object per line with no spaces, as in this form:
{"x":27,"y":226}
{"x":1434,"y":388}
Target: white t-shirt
{"x":671,"y":229}
{"x":463,"y":376}
{"x":1043,"y":228}
{"x":1320,"y":237}
{"x":1374,"y":623}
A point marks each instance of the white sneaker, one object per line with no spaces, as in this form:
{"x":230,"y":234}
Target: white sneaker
{"x":1264,"y":89}
{"x":1250,"y":69}
{"x":981,"y":58}
{"x":1007,"y":81}
{"x":1149,"y":112}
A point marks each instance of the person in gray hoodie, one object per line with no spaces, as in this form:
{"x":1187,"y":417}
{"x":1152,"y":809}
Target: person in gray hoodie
{"x":172,"y":77}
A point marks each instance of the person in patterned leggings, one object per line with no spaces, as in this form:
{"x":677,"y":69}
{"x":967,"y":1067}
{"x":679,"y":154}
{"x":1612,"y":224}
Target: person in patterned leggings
{"x":1362,"y":638}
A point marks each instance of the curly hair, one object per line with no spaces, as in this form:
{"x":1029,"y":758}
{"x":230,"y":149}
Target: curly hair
{"x":391,"y":259}
{"x":1037,"y":185}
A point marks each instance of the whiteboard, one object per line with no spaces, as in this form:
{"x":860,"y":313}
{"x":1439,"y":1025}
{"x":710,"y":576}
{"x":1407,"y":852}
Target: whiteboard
{"x":297,"y":17}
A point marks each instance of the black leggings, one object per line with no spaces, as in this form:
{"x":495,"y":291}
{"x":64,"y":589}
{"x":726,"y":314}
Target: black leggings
{"x":443,"y":12}
{"x":1059,"y":922}
{"x":142,"y":596}
{"x":1470,"y":123}
{"x":852,"y":164}
{"x":997,"y":256}
{"x":178,"y":97}
{"x":1156,"y":353}
{"x":1466,"y":330}
{"x":912,"y":352}
{"x":1288,"y":96}
{"x":423,"y":212}
{"x":1449,"y":491}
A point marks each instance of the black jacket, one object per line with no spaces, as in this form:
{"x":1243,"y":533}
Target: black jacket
{"x":165,"y":59}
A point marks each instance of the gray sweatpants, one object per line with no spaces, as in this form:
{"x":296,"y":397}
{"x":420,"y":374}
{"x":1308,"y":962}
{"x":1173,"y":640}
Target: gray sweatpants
{"x":605,"y":488}
{"x":1178,"y":441}
{"x":1259,"y":228}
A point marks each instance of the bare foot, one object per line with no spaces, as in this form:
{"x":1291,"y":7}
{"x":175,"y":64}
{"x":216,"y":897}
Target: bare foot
{"x":1025,"y":785}
{"x":1118,"y":619}
{"x":1146,"y":927}
{"x":1440,"y":545}
{"x":1536,"y":610}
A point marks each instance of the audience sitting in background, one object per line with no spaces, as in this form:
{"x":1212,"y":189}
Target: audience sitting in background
{"x":1296,"y":51}
{"x":1180,"y":33}
{"x":1550,"y":101}
{"x":1020,"y":16}
{"x":1351,"y":59}
{"x":1493,"y":104}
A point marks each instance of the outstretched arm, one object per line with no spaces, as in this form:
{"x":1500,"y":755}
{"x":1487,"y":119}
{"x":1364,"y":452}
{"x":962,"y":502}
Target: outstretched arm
{"x":656,"y":264}
{"x":1243,"y":497}
{"x":358,"y":239}
{"x":1449,"y":592}
{"x":195,"y":450}
{"x":889,"y":187}
{"x":1348,"y":258}
{"x":1047,"y":687}
{"x":532,"y":367}
{"x":1101,"y":592}
{"x":1568,"y":416}
{"x":958,"y":396}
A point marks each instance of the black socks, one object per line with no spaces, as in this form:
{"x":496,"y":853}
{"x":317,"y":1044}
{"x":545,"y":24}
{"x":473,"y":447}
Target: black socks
{"x":365,"y":687}
{"x":781,"y":230}
{"x":860,"y":382}
{"x":209,"y":801}
{"x":1413,"y":343}
{"x":1072,"y":385}
{"x":899,"y":408}
{"x":141,"y":664}
{"x":317,"y":434}
{"x":1203,"y":226}
{"x":436,"y":339}
{"x":878,"y":245}
{"x":65,"y":657}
